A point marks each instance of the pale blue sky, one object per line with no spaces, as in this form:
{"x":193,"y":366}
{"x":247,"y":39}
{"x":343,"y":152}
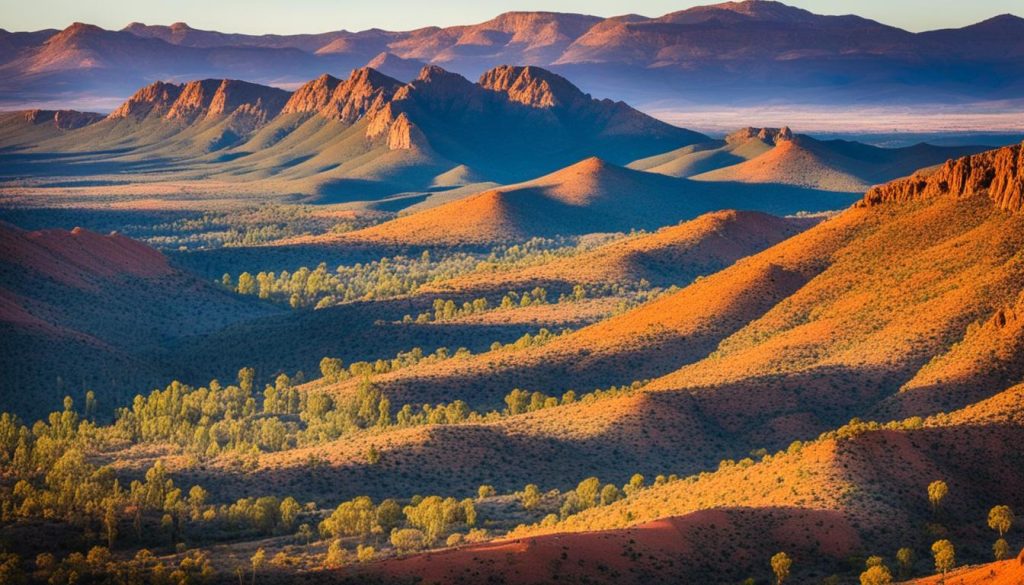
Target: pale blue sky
{"x":294,"y":16}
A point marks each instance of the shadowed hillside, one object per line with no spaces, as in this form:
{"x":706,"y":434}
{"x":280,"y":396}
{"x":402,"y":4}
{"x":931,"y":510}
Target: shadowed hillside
{"x":87,"y":311}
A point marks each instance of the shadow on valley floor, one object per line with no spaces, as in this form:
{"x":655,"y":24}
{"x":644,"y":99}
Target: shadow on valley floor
{"x":59,"y":169}
{"x":297,"y":340}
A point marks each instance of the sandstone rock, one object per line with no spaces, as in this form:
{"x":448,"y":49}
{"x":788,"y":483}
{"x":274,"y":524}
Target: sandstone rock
{"x":62,"y":119}
{"x":157,"y":97}
{"x":999,"y":173}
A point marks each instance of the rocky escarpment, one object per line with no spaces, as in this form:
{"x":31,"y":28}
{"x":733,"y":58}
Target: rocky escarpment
{"x":62,"y":119}
{"x":211,"y":98}
{"x":766,"y":135}
{"x":999,"y":173}
{"x":312,"y":96}
{"x":532,"y":86}
{"x":366,"y":90}
{"x":204,"y":99}
{"x":156,"y":98}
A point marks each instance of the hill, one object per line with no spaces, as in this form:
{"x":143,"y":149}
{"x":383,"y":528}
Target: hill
{"x":82,"y":311}
{"x":673,"y":255}
{"x":816,"y":501}
{"x":777,"y":156}
{"x":589,"y":196}
{"x":758,"y":345}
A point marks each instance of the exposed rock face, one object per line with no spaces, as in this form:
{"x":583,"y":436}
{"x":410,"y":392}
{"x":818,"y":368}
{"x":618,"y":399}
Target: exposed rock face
{"x":211,"y":98}
{"x":366,"y":90}
{"x":766,"y":135}
{"x":1000,"y":173}
{"x":403,"y":134}
{"x":532,"y":86}
{"x":204,"y":99}
{"x":313,"y":96}
{"x":62,"y":119}
{"x":156,"y":98}
{"x":402,"y":116}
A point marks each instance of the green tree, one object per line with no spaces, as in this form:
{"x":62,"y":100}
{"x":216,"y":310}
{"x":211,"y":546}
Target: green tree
{"x":937,"y":491}
{"x":945,"y":556}
{"x":110,"y":520}
{"x":636,"y":483}
{"x":289,"y":512}
{"x":1000,"y":518}
{"x":407,"y":539}
{"x":365,"y":553}
{"x":905,"y":561}
{"x":1001,"y":549}
{"x":610,"y":494}
{"x":331,"y":369}
{"x":876,"y":575}
{"x":781,"y":564}
{"x":587,"y":492}
{"x":245,"y":379}
{"x":335,"y":555}
{"x":246,"y":284}
{"x":257,"y":561}
{"x":530,"y":497}
{"x":90,"y":405}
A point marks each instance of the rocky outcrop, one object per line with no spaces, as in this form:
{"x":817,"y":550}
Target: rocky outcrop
{"x":366,"y":90}
{"x":767,"y":135}
{"x":155,"y":98}
{"x":532,"y":86}
{"x":404,"y":135}
{"x":204,"y":99}
{"x":313,"y":96}
{"x":999,"y":173}
{"x":211,"y":98}
{"x":62,"y":119}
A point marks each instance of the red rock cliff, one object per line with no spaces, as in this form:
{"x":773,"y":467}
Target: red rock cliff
{"x":999,"y":173}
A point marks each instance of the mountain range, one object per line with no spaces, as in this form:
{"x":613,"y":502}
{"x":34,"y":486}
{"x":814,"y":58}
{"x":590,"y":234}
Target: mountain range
{"x":731,"y":53}
{"x":522,"y":152}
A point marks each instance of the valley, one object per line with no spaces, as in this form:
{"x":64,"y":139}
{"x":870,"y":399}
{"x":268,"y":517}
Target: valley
{"x":380,"y":307}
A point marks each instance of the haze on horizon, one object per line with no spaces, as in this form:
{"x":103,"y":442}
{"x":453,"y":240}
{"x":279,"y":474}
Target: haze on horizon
{"x":312,"y":16}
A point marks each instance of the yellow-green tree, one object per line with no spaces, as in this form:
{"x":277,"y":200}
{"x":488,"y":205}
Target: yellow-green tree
{"x":1000,"y":518}
{"x":945,"y":556}
{"x":530,"y":497}
{"x":876,"y":575}
{"x":937,"y":491}
{"x":905,"y":560}
{"x":335,"y":555}
{"x":257,"y":562}
{"x":781,"y":564}
{"x":1001,"y":549}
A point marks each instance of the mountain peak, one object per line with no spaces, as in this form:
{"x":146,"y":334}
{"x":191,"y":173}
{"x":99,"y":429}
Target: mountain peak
{"x":750,"y":10}
{"x":157,"y":97}
{"x":397,"y":67}
{"x":531,"y":86}
{"x":312,"y":96}
{"x":366,"y":90}
{"x":76,"y":31}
